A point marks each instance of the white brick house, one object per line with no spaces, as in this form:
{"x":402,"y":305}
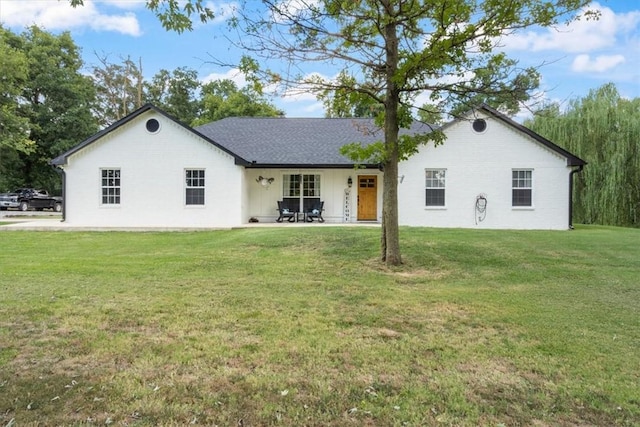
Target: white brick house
{"x":148,"y":170}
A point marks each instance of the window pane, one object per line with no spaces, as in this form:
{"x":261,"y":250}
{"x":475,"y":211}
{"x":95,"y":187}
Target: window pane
{"x":311,"y":185}
{"x":435,"y":197}
{"x":195,"y":196}
{"x":521,"y":179}
{"x":291,"y":186}
{"x":521,"y":197}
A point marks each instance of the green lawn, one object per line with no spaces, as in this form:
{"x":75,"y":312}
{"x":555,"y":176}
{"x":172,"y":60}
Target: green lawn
{"x":302,"y":326}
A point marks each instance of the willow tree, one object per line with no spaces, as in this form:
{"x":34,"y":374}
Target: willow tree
{"x":390,"y":51}
{"x":604,"y":129}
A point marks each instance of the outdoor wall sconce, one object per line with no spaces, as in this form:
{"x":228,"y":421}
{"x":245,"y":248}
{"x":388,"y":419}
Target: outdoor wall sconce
{"x":265,"y":182}
{"x":349,"y":182}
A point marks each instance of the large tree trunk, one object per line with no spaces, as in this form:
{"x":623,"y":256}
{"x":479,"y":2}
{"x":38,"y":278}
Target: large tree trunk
{"x":390,"y":230}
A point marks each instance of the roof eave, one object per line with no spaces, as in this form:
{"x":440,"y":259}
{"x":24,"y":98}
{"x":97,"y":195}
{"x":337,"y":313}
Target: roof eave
{"x":256,"y":165}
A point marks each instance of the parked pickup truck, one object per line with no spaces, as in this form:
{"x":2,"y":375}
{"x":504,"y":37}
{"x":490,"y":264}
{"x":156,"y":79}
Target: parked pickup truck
{"x":30,"y":198}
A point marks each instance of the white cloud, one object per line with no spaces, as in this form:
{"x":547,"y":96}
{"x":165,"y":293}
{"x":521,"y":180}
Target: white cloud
{"x":59,"y":15}
{"x":234,"y":74}
{"x":579,"y":36}
{"x":584,"y":63}
{"x":222,"y":11}
{"x":126,"y":4}
{"x":284,"y":9}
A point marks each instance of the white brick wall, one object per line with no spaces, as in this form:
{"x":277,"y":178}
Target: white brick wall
{"x":153,"y":179}
{"x":482,"y":163}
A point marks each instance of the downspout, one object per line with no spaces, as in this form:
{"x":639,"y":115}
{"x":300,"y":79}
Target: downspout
{"x":573,"y":172}
{"x":64,"y":188}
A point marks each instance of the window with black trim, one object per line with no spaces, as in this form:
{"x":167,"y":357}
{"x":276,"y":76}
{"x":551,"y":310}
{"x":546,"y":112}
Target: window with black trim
{"x":110,"y":186}
{"x":521,"y":188}
{"x":435,"y":183}
{"x":194,"y":189}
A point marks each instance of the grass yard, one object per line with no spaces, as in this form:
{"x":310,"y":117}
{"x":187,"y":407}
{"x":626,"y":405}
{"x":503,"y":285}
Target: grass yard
{"x":301,"y":326}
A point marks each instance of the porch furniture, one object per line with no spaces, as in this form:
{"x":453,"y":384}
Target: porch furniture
{"x":314,"y":211}
{"x":288,"y":208}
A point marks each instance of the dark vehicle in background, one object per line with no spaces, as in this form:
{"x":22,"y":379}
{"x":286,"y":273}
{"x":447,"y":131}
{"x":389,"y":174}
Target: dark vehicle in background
{"x":30,"y":198}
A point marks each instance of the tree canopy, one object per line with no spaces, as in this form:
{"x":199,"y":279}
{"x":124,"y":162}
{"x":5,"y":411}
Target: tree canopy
{"x":223,"y":98}
{"x":14,"y":130}
{"x":54,"y":104}
{"x":119,"y":88}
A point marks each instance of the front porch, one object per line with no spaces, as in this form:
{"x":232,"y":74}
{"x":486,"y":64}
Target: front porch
{"x":331,"y":196}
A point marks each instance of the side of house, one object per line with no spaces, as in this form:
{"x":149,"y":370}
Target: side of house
{"x":150,"y":171}
{"x":487,"y":174}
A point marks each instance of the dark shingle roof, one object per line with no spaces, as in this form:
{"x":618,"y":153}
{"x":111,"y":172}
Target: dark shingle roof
{"x":294,"y":141}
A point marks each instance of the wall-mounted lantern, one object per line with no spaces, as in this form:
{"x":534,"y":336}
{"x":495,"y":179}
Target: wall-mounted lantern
{"x":349,"y":182}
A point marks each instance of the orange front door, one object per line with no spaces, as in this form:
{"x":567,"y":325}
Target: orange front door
{"x":367,"y":198}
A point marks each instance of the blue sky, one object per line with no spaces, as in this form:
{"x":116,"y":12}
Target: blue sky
{"x":578,"y":58}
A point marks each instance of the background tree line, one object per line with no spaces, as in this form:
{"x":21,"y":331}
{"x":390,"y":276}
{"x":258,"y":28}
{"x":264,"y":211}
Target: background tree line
{"x":50,"y":100}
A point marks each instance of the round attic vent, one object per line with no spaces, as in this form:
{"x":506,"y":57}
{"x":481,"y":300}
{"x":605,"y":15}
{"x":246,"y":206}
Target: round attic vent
{"x":153,"y":125}
{"x":479,"y":125}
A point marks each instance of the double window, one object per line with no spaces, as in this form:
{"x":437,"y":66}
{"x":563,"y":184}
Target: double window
{"x":194,"y":188}
{"x":521,"y":188}
{"x":110,"y":186}
{"x":307,"y":185}
{"x":435,"y":180}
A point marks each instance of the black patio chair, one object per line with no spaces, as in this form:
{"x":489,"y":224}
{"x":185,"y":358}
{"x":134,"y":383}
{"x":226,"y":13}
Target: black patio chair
{"x":315,"y":211}
{"x":286,"y":211}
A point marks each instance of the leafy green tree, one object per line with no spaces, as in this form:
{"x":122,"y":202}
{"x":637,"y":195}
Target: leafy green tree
{"x":175,"y":92}
{"x":340,"y":101}
{"x":56,"y":99}
{"x":119,"y":88}
{"x":222,"y":98}
{"x":602,"y":128}
{"x":14,"y":130}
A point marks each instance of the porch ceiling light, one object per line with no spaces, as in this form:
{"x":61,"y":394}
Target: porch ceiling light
{"x":265,"y":182}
